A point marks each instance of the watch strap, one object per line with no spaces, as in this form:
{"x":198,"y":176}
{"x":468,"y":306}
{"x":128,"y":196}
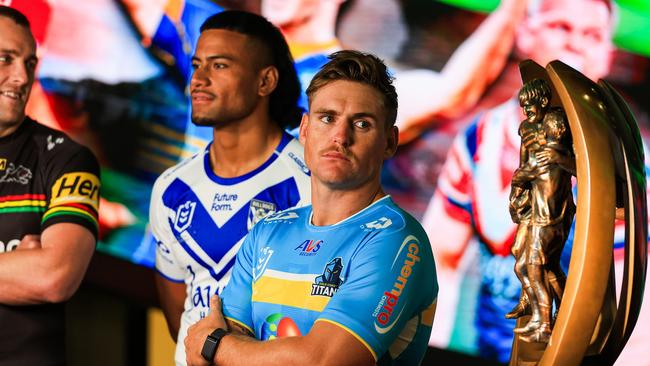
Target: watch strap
{"x":212,"y":343}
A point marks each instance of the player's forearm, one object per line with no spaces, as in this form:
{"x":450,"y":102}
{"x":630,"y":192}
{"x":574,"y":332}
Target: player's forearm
{"x":34,"y":276}
{"x":236,"y":349}
{"x":480,"y":59}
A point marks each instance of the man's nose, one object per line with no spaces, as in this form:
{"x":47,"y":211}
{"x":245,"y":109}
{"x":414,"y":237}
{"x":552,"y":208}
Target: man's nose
{"x":20,"y":74}
{"x":342,"y":133}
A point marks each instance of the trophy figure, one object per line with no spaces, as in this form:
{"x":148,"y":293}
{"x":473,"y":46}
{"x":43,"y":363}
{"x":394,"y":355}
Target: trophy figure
{"x":541,"y":203}
{"x":574,"y":127}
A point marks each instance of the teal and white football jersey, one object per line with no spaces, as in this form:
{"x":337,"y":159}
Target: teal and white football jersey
{"x":372,"y":274}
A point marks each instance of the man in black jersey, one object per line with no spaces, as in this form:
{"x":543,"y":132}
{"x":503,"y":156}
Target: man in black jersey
{"x":49,"y":189}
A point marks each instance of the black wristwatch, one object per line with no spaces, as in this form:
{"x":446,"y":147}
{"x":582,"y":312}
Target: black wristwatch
{"x":211,"y":344}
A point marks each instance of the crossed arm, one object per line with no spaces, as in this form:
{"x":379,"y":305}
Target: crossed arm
{"x":325,"y":344}
{"x":46,"y":270}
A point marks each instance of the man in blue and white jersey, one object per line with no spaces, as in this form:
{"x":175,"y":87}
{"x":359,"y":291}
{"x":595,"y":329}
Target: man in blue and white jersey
{"x":202,"y":208}
{"x":349,"y":280}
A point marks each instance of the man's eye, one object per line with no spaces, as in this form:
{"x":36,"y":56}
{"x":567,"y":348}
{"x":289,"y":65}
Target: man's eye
{"x":326,"y":119}
{"x":4,"y":58}
{"x":218,"y":65}
{"x":362,"y":124}
{"x":195,"y":66}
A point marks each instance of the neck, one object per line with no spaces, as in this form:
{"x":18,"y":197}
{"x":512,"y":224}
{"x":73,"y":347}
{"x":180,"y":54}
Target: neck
{"x":330,"y":206}
{"x":242,"y":146}
{"x":9,"y":128}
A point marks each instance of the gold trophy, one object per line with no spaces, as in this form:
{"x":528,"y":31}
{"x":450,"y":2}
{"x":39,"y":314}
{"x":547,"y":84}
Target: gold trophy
{"x":575,"y":127}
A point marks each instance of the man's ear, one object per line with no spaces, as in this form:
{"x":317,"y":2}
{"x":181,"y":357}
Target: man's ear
{"x":391,"y":142}
{"x":268,"y":80}
{"x":302,"y":136}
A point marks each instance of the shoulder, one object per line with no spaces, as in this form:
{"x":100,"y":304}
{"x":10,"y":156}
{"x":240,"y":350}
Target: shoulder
{"x":286,"y":217}
{"x":184,"y":168}
{"x":293,"y":156}
{"x":54,"y":145}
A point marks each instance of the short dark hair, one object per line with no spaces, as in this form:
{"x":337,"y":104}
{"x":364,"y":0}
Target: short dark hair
{"x":534,"y":91}
{"x":284,"y":109}
{"x":361,"y":67}
{"x":13,"y":14}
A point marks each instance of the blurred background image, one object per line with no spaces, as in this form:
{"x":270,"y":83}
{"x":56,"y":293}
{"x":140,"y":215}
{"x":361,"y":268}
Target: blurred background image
{"x":113,"y":74}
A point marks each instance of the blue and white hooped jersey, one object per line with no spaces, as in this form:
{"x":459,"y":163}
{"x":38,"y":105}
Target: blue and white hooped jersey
{"x":371,"y":274}
{"x":199,"y":220}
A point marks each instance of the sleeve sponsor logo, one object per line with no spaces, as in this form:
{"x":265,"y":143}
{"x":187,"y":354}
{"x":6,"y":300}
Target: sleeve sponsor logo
{"x":3,"y":164}
{"x":384,"y":312}
{"x":184,"y":214}
{"x":76,"y":187}
{"x":300,"y":163}
{"x":328,"y":283}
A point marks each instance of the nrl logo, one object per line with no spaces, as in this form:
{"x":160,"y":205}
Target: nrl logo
{"x":184,"y":215}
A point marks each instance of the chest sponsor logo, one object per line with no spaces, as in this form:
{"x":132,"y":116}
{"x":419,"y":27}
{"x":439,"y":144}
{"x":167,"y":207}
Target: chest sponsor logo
{"x":309,"y":247}
{"x":52,"y":142}
{"x":3,"y":164}
{"x":223,"y":201}
{"x":259,"y":210}
{"x":76,"y":187}
{"x":262,"y":262}
{"x":300,"y":163}
{"x":13,"y":174}
{"x":385,"y":317}
{"x":184,"y":214}
{"x":381,"y":223}
{"x":329,"y":282}
{"x":277,"y":325}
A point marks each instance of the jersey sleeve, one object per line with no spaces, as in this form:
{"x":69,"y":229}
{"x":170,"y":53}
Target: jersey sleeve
{"x":455,"y":179}
{"x":386,"y":289}
{"x":167,"y":265}
{"x":73,"y":180}
{"x":237,"y":296}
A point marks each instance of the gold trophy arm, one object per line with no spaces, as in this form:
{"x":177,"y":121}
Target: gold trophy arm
{"x":591,"y":255}
{"x":630,"y":158}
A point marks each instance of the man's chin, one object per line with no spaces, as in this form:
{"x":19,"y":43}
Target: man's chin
{"x":204,"y":121}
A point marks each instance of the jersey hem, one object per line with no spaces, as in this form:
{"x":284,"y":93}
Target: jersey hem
{"x":240,"y":323}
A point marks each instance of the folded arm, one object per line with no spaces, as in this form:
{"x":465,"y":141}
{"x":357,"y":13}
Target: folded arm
{"x":48,"y":273}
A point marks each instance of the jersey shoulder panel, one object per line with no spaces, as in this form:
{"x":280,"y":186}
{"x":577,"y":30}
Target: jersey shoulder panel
{"x":292,"y":155}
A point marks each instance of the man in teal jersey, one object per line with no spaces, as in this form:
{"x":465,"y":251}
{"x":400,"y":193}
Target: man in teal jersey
{"x":349,"y":280}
